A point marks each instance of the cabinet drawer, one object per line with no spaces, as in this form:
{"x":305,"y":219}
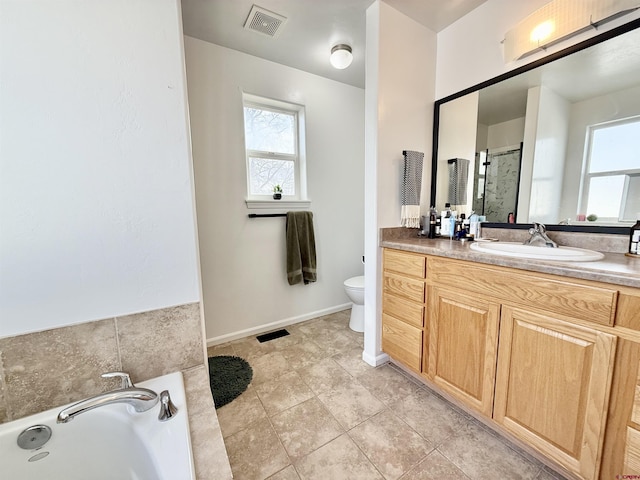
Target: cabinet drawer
{"x":541,"y":291}
{"x":408,"y":312}
{"x":403,"y":287}
{"x":404,"y":263}
{"x":402,"y":342}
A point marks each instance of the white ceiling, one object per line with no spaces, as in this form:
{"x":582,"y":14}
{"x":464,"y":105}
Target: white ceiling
{"x":311,"y":29}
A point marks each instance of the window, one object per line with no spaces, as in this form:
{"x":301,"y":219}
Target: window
{"x":274,"y":149}
{"x":612,"y":171}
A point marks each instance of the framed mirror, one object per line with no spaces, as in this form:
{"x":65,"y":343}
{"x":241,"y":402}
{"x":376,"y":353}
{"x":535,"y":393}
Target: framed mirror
{"x":556,"y":141}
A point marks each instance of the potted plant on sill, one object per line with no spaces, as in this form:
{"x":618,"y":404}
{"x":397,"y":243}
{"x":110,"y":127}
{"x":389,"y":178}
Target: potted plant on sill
{"x":277,"y":192}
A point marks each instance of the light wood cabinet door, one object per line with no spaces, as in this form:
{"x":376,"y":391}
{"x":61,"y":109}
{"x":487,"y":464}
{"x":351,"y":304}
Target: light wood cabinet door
{"x":552,"y":386}
{"x":463,"y":338}
{"x":402,"y":342}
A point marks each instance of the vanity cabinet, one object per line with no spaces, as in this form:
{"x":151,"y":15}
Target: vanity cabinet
{"x":403,"y":306}
{"x":533,"y":352}
{"x":463,"y":341}
{"x":552,"y":386}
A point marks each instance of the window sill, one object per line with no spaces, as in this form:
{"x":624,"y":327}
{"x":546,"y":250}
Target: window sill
{"x":278,"y":204}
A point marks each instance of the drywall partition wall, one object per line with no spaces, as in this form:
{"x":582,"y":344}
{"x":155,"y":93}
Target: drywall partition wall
{"x":505,"y":134}
{"x":245,"y":289}
{"x":457,"y":139}
{"x":400,"y":81}
{"x":96,"y":209}
{"x":549,"y":157}
{"x":614,"y":106}
{"x":470,"y":50}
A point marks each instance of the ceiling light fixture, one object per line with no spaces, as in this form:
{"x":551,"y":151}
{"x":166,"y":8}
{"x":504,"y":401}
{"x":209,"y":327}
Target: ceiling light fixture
{"x":341,"y":56}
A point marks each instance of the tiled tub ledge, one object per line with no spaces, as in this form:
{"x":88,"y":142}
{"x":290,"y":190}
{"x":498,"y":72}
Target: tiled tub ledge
{"x":209,"y":453}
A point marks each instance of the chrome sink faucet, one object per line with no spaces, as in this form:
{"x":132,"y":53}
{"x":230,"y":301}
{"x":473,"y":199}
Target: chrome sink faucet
{"x":141,"y":399}
{"x":539,"y":237}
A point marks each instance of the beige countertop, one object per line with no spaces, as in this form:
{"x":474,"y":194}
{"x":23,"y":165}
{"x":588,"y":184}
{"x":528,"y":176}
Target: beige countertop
{"x":615,"y":268}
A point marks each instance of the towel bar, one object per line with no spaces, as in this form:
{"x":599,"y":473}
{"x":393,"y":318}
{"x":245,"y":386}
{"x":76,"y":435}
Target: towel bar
{"x":264,"y":215}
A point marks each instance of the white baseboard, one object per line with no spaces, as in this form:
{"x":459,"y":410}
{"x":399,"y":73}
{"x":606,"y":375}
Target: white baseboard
{"x":275,"y":325}
{"x":375,"y":361}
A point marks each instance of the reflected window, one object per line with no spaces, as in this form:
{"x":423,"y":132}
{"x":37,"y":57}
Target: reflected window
{"x":611,"y":182}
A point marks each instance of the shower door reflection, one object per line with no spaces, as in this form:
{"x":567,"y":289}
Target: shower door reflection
{"x":496,"y":183}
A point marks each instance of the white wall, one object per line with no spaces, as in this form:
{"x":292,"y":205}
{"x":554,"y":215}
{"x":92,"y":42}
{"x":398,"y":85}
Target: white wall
{"x":400,"y":79}
{"x":470,"y":50}
{"x":505,"y":134}
{"x":614,"y":106}
{"x":96,"y":207}
{"x":458,"y":130}
{"x":552,"y":125}
{"x":245,"y":288}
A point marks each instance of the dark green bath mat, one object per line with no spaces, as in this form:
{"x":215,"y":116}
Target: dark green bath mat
{"x":229,"y":377}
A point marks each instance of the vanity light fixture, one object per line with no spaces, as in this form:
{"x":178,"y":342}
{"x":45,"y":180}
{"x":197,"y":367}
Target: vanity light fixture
{"x":559,"y":20}
{"x":341,"y":56}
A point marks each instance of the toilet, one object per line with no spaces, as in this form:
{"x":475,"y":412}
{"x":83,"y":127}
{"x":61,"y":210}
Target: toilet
{"x":354,"y":287}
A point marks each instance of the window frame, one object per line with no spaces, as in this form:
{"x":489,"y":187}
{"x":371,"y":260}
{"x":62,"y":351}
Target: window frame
{"x":587,"y":176}
{"x":298,"y":158}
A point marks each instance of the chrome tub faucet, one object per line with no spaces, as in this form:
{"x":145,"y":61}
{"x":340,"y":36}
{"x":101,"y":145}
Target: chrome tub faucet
{"x":141,"y":399}
{"x":539,"y":237}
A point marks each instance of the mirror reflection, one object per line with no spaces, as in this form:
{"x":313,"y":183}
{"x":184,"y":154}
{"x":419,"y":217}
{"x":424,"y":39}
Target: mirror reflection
{"x":556,"y":144}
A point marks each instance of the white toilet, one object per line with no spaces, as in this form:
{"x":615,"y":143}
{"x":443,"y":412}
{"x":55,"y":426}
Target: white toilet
{"x":354,"y":287}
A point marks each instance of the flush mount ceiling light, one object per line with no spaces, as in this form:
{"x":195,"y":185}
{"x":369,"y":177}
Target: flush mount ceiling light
{"x":341,"y":56}
{"x":559,"y":20}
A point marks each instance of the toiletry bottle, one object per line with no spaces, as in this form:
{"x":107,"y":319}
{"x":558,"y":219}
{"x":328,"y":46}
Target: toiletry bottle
{"x":473,"y":225}
{"x":446,"y":220}
{"x":438,"y":223}
{"x":433,"y":215}
{"x":634,"y":237}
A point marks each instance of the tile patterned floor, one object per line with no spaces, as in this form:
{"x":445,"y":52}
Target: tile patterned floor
{"x":316,"y":411}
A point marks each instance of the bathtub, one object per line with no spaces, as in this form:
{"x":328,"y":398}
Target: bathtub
{"x":107,"y":443}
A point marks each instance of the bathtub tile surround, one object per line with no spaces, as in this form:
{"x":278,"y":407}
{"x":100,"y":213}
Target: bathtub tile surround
{"x":358,"y":422}
{"x":209,"y":453}
{"x":42,"y":370}
{"x":50,"y":368}
{"x":161,"y":341}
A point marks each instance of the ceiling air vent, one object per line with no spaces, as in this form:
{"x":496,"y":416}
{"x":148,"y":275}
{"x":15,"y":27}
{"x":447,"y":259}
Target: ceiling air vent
{"x":263,"y":21}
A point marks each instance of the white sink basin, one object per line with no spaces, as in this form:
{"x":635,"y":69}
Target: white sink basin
{"x":518,"y":250}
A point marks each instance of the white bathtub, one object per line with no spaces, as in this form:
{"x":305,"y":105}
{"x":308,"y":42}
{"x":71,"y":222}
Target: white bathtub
{"x":107,"y":443}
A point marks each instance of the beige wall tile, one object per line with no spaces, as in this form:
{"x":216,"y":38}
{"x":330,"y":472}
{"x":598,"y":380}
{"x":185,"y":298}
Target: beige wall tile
{"x":51,"y":368}
{"x":161,"y":341}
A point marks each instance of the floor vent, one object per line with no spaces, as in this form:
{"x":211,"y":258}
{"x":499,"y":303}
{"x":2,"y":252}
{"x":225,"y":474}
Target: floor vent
{"x":264,"y":21}
{"x":272,"y":335}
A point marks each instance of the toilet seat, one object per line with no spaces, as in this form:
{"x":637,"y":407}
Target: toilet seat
{"x":354,"y":282}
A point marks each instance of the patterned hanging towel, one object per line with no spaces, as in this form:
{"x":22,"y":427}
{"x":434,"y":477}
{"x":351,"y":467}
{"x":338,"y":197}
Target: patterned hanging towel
{"x":458,"y":175}
{"x":411,"y":185}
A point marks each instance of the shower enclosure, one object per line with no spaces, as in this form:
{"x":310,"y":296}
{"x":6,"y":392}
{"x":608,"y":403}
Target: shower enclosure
{"x":497,"y":183}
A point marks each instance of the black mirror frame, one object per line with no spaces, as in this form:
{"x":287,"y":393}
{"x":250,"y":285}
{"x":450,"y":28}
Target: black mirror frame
{"x":614,"y":32}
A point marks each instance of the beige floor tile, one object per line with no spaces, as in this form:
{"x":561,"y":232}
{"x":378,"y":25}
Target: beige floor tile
{"x":268,"y":367}
{"x":305,"y":427}
{"x":303,"y":354}
{"x":388,"y":384}
{"x":351,"y":361}
{"x":224,"y":349}
{"x":249,"y":348}
{"x":256,"y":453}
{"x":241,"y":412}
{"x":351,"y":404}
{"x":481,"y":455}
{"x":288,"y":473}
{"x":390,"y":444}
{"x":340,"y":459}
{"x":293,"y":338}
{"x":284,"y":392}
{"x":435,"y":467}
{"x":332,"y":342}
{"x":429,"y":415}
{"x":324,"y":376}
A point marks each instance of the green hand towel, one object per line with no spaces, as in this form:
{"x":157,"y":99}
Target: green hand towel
{"x":301,"y":248}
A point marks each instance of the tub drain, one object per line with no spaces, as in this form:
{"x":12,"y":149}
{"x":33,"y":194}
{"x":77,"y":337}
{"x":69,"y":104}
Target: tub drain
{"x":34,"y":437}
